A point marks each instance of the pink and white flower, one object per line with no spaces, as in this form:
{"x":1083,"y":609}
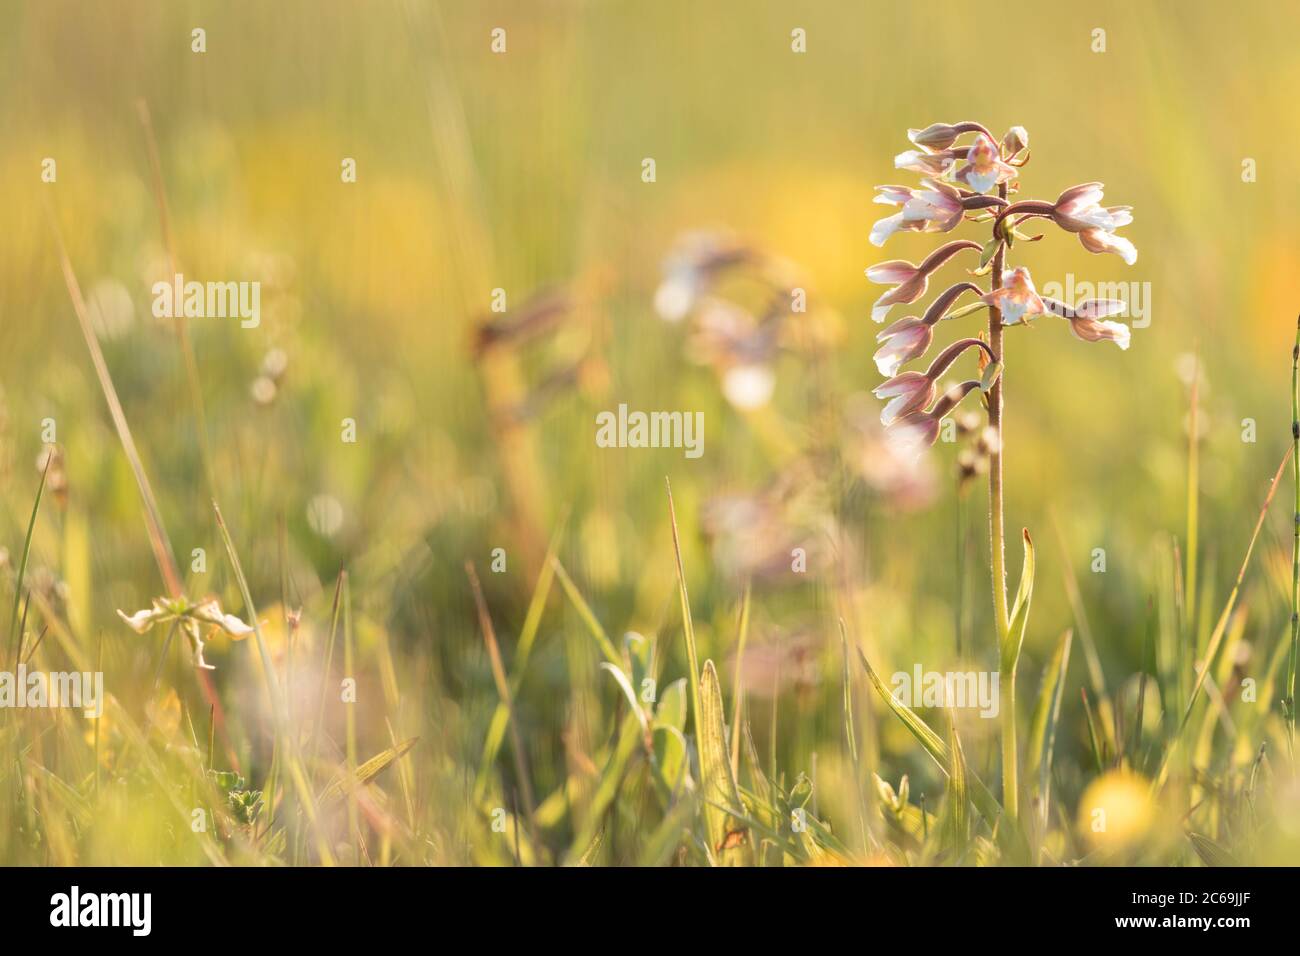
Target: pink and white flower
{"x":1090,"y":330}
{"x":910,"y":281}
{"x":915,"y":431}
{"x":928,"y":164}
{"x":912,"y":434}
{"x":1079,"y":210}
{"x":939,"y":136}
{"x":905,"y":340}
{"x":906,"y":393}
{"x":984,"y":167}
{"x":909,"y":338}
{"x":1099,"y":240}
{"x":1017,"y":300}
{"x":1015,"y":142}
{"x":1085,"y":320}
{"x":935,"y":209}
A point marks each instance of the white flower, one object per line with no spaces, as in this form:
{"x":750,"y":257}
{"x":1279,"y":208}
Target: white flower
{"x":1017,"y":299}
{"x":748,"y":386}
{"x":189,"y":617}
{"x":984,"y":167}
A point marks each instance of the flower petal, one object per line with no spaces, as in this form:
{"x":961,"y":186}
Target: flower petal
{"x":1091,"y":330}
{"x":140,"y":621}
{"x":235,"y":627}
{"x":893,"y":272}
{"x":1098,"y":240}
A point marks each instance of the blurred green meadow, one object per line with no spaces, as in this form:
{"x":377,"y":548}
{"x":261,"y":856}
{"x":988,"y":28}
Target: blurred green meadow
{"x":364,"y":722}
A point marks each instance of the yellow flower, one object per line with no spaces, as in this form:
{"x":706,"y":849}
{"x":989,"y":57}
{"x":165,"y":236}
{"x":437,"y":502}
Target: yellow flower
{"x":1116,"y":811}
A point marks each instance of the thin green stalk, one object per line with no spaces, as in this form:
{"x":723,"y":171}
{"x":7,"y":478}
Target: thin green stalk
{"x":14,"y":632}
{"x":1289,"y":703}
{"x":504,"y":693}
{"x":851,"y":741}
{"x":350,"y":725}
{"x":182,"y":323}
{"x":959,"y":604}
{"x":1193,"y":494}
{"x":739,"y":702}
{"x":687,"y":624}
{"x":1010,"y":770}
{"x":1221,"y":627}
{"x":997,"y":545}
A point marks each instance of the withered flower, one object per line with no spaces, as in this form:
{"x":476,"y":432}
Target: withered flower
{"x":192,"y":618}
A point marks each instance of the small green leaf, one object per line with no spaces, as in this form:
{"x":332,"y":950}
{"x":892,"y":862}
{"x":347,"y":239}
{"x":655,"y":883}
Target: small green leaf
{"x":965,"y":310}
{"x":670,"y":757}
{"x":671,"y":710}
{"x":1019,"y":610}
{"x":801,"y":792}
{"x":992,"y":372}
{"x":639,"y":653}
{"x":1211,"y":853}
{"x":227,"y":779}
{"x":955,"y":823}
{"x":989,"y":250}
{"x":626,"y":686}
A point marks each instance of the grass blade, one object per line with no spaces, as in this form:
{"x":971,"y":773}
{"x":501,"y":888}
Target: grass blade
{"x":22,"y":564}
{"x":688,"y":626}
{"x":718,"y":785}
{"x":1221,"y":627}
{"x":584,"y":611}
{"x":983,"y":799}
{"x":1042,"y":730}
{"x":503,"y":690}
